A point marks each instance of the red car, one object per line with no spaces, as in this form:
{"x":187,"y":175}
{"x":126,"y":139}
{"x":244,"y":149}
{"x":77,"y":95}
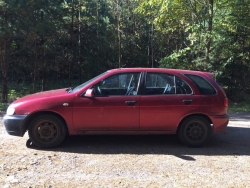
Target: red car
{"x":124,"y":101}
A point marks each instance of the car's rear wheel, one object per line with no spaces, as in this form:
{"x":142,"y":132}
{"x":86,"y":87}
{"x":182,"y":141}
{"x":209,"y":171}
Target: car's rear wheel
{"x":194,"y":131}
{"x":46,"y":131}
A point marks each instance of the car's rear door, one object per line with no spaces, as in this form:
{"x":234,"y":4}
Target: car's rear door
{"x":167,"y":99}
{"x":115,"y":106}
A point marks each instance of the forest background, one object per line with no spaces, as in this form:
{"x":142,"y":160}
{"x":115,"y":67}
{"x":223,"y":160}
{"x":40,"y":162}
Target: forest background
{"x":48,"y":44}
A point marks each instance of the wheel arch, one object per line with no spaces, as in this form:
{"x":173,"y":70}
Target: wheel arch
{"x":193,"y":115}
{"x":28,"y":120}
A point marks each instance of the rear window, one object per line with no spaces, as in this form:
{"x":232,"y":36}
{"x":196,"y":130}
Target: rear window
{"x":204,"y":86}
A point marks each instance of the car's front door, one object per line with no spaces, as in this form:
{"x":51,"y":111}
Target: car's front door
{"x":114,"y":107}
{"x":166,"y":101}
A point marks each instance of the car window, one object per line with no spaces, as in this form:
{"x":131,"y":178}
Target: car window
{"x":160,"y":84}
{"x":204,"y":86}
{"x":182,"y":87}
{"x":118,"y":84}
{"x":85,"y":83}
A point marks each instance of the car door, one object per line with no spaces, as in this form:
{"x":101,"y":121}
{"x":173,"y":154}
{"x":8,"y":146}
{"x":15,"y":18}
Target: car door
{"x":166,"y":100}
{"x":114,"y":107}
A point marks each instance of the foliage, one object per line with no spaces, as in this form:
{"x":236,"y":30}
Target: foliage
{"x":211,"y":36}
{"x":12,"y":95}
{"x":3,"y":107}
{"x":243,"y":106}
{"x":61,"y":43}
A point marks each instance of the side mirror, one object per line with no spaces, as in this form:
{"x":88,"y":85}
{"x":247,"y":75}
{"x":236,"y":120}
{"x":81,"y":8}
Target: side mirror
{"x":89,"y":93}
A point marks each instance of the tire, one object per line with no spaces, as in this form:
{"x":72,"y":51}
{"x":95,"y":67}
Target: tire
{"x":47,"y":131}
{"x":194,"y":131}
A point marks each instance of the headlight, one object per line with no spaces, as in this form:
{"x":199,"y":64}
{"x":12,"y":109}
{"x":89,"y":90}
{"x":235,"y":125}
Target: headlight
{"x":10,"y":111}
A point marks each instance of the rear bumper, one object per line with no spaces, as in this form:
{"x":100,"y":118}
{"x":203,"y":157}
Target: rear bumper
{"x":14,"y":124}
{"x":219,"y":123}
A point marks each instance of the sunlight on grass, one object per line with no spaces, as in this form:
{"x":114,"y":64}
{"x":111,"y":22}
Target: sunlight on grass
{"x":243,"y":106}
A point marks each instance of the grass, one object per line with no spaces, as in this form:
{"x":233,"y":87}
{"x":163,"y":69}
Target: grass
{"x":240,"y":106}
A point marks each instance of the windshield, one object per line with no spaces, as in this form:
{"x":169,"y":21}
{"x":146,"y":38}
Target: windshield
{"x":85,"y":83}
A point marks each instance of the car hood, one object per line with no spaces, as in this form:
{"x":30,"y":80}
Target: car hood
{"x":41,"y":95}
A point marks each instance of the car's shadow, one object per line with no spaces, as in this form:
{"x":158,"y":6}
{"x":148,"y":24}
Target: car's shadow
{"x":234,"y":142}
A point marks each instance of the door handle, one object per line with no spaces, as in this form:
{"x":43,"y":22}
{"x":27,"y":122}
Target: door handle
{"x":187,"y":101}
{"x":130,"y":103}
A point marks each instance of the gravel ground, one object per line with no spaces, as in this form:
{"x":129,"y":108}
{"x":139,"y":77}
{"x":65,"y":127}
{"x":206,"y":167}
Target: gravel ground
{"x":130,"y":161}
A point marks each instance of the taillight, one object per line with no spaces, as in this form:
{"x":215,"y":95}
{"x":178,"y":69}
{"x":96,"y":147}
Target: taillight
{"x":226,"y":102}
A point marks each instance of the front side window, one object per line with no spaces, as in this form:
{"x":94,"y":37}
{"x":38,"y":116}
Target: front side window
{"x":85,"y":83}
{"x":118,"y":84}
{"x":160,"y":84}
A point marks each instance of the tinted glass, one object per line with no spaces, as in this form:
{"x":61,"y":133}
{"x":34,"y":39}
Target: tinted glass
{"x":204,"y":86}
{"x":182,"y":87}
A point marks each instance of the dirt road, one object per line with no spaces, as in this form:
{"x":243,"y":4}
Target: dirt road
{"x":130,"y":161}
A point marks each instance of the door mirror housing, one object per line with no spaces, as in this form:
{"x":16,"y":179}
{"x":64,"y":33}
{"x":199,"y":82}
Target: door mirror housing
{"x":89,"y":93}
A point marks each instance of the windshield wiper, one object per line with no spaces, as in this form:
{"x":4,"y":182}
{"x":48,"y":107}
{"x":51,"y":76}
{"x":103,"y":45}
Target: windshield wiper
{"x":68,"y":90}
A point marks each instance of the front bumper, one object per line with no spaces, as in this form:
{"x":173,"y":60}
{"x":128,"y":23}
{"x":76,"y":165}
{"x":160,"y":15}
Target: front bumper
{"x":14,"y":124}
{"x":220,"y":123}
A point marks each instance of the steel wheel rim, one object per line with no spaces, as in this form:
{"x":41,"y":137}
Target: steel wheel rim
{"x":46,"y":131}
{"x":195,"y":131}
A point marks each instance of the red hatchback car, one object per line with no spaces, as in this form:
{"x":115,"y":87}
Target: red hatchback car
{"x":124,"y":101}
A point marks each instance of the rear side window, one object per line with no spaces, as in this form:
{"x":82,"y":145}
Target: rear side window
{"x":161,"y":84}
{"x":204,"y":86}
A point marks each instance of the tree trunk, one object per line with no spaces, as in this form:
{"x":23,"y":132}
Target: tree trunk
{"x":119,"y":42}
{"x":152,"y":45}
{"x":4,"y":64}
{"x":71,"y":44}
{"x":43,"y":55}
{"x":35,"y":68}
{"x":210,"y":28}
{"x":4,"y":73}
{"x":44,"y":65}
{"x":79,"y":44}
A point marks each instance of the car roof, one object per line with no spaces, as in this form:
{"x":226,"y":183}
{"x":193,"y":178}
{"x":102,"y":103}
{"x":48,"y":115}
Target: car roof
{"x":181,"y":71}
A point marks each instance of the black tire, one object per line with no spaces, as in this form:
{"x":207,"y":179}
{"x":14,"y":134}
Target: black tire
{"x":47,"y":131}
{"x":194,"y":131}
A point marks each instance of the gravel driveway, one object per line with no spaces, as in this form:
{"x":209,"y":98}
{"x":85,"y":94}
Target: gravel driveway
{"x":130,"y":161}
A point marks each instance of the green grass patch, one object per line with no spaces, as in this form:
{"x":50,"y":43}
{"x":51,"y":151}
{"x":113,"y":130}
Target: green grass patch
{"x":239,"y":106}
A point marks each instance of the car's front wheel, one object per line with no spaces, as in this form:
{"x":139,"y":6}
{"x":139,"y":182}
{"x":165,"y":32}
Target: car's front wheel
{"x":46,"y":131}
{"x":194,"y":131}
